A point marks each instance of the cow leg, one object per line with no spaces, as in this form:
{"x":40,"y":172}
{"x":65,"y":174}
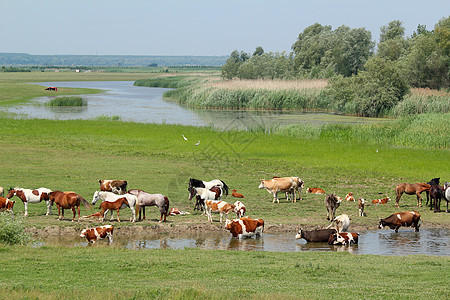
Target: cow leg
{"x":110,"y":237}
{"x":396,"y":229}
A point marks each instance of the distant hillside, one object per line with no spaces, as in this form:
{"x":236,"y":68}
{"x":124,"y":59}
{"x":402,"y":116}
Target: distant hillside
{"x":23,"y":59}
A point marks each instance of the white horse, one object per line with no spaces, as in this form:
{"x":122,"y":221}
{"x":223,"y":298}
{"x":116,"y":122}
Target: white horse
{"x":111,"y":197}
{"x":32,"y":196}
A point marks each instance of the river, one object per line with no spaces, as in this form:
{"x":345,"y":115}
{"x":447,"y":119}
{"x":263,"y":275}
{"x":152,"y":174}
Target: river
{"x":146,"y":105}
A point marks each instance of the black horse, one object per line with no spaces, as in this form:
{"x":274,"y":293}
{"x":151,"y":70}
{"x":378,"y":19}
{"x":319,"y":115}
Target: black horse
{"x":434,"y":181}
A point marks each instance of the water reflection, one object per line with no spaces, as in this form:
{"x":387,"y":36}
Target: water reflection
{"x":377,"y":242}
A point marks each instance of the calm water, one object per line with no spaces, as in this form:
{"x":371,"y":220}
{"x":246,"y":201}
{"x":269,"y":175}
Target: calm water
{"x":146,"y":105}
{"x":378,"y":242}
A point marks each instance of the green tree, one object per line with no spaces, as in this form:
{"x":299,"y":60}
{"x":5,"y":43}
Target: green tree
{"x":258,"y":51}
{"x":392,"y":44}
{"x":391,"y":31}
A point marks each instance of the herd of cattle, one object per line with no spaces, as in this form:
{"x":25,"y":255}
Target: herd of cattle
{"x":115,"y":196}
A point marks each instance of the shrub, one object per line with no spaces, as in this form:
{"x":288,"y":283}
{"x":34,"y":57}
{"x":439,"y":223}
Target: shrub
{"x":67,"y":101}
{"x":12,"y":230}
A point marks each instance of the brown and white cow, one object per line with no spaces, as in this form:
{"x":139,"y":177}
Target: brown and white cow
{"x":343,"y":238}
{"x":332,"y":202}
{"x":221,"y":207}
{"x":245,"y":227}
{"x":349,"y":197}
{"x":101,"y":232}
{"x":239,"y":209}
{"x":115,"y":186}
{"x":401,"y":219}
{"x":361,"y":204}
{"x":6,"y":204}
{"x":318,"y":235}
{"x":280,"y":184}
{"x":381,"y":201}
{"x":315,"y":191}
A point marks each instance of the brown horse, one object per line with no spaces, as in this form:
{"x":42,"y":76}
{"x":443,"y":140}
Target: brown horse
{"x":411,"y":189}
{"x":66,"y":200}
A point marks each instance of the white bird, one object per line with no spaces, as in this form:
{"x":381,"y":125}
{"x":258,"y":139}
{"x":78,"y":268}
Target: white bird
{"x":184,"y":137}
{"x":377,"y":150}
{"x":197,"y":143}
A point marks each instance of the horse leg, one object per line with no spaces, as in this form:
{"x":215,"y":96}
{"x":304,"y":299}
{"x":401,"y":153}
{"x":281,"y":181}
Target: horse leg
{"x":74,"y":213}
{"x":419,"y":198}
{"x":133,"y":214}
{"x":79,"y":213}
{"x":118,"y":219}
{"x":397,"y":199}
{"x":143,"y":212}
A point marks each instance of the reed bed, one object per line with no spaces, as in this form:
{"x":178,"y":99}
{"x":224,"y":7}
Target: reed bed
{"x":67,"y":101}
{"x":422,"y":101}
{"x":270,"y":84}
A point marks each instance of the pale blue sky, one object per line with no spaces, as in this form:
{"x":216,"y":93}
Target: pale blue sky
{"x":197,"y":27}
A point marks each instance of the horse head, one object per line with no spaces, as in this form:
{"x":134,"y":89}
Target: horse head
{"x":11,"y":193}
{"x":95,"y":197}
{"x":192,"y":192}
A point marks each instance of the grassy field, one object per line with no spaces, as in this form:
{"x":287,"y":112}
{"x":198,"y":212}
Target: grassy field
{"x":73,"y":155}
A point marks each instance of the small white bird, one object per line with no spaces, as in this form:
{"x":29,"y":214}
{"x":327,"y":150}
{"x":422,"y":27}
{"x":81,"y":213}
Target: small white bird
{"x":184,"y":137}
{"x":197,"y":143}
{"x":377,"y":150}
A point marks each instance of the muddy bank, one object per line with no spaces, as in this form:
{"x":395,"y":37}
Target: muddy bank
{"x":186,"y":228}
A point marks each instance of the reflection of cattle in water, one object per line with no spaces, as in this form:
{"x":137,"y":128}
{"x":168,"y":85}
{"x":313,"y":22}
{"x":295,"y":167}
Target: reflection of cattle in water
{"x":401,"y":219}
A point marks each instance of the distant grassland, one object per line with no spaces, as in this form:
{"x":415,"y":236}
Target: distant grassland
{"x":212,"y":93}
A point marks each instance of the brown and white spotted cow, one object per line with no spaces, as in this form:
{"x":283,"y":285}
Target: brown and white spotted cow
{"x":349,"y":197}
{"x":115,"y":186}
{"x":221,"y":207}
{"x":32,"y":196}
{"x":401,"y":219}
{"x":343,"y":238}
{"x":381,"y":201}
{"x":245,"y":227}
{"x":239,"y":209}
{"x":101,"y":232}
{"x":315,"y":191}
{"x":6,"y":204}
{"x":361,"y":204}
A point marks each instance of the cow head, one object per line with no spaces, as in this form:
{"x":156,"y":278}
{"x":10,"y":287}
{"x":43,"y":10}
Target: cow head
{"x":333,"y":239}
{"x":299,"y":235}
{"x":261,"y":185}
{"x":228,"y":224}
{"x":381,"y":224}
{"x":83,"y":233}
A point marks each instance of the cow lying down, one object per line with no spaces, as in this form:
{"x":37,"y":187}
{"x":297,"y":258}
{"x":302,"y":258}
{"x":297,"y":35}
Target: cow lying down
{"x":101,"y":232}
{"x":343,"y":238}
{"x":319,"y":235}
{"x":245,"y":227}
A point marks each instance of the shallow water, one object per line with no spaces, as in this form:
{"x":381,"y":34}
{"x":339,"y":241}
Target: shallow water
{"x":378,"y":242}
{"x":146,"y":105}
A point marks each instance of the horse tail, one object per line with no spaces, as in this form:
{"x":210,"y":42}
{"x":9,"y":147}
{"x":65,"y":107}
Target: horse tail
{"x":225,"y":187}
{"x":85,"y":203}
{"x":166,"y":205}
{"x":136,"y":211}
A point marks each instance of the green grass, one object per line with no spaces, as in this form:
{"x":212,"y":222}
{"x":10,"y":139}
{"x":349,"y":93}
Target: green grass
{"x":104,"y":272}
{"x":67,"y":101}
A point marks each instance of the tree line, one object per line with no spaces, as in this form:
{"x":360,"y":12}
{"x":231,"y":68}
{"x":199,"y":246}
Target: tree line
{"x":368,"y":79}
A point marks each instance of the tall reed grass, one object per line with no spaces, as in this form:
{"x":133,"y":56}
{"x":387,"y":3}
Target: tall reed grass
{"x":422,"y":101}
{"x":67,"y":101}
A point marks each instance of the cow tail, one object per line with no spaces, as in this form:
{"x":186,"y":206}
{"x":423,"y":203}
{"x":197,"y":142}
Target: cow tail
{"x":225,"y":187}
{"x":166,"y":205}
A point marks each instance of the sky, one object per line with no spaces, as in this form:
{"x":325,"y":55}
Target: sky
{"x":192,"y":27}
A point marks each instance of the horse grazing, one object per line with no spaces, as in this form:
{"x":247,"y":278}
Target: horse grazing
{"x":111,"y":197}
{"x":411,"y":189}
{"x":145,"y":199}
{"x":67,"y":200}
{"x":31,"y":196}
{"x":194,"y":183}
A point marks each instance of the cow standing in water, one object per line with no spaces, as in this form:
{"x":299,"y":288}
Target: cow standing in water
{"x":401,"y":219}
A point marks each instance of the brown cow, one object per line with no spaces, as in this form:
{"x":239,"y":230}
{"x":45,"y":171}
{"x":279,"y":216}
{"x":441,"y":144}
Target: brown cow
{"x":245,"y":227}
{"x":361,"y":204}
{"x":411,"y":189}
{"x":280,"y":184}
{"x":332,"y":202}
{"x":349,"y":197}
{"x":237,"y":195}
{"x":6,"y":204}
{"x":101,"y":232}
{"x":221,"y":207}
{"x":405,"y":219}
{"x":319,"y":235}
{"x":115,"y":186}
